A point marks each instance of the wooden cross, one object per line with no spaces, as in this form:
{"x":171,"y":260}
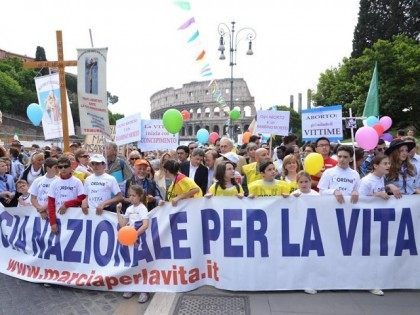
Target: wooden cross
{"x":60,"y":64}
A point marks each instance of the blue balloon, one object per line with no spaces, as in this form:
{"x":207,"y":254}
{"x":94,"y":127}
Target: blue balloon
{"x":34,"y":112}
{"x":203,"y":136}
{"x":372,"y":121}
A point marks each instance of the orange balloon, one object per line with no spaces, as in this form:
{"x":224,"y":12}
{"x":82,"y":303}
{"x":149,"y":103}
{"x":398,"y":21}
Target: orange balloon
{"x":127,"y":235}
{"x":185,"y":115}
{"x":246,"y":136}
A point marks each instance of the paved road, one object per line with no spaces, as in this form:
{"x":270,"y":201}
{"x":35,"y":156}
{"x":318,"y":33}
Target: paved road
{"x":21,"y":297}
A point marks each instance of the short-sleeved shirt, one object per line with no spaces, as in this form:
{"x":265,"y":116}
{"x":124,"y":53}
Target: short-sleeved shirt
{"x":371,"y":184}
{"x":336,"y":178}
{"x":135,"y":214}
{"x":65,"y":189}
{"x":40,"y":188}
{"x":228,"y":191}
{"x":100,"y":188}
{"x":181,"y":185}
{"x":251,"y":172}
{"x":262,"y":188}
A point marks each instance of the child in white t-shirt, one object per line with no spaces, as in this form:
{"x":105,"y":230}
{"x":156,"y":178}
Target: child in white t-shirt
{"x":135,"y":216}
{"x":373,"y":184}
{"x":304,"y":183}
{"x":25,"y":197}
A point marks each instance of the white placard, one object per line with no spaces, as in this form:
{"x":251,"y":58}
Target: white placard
{"x":322,"y":122}
{"x":128,"y":129}
{"x":273,"y":122}
{"x":155,"y":137}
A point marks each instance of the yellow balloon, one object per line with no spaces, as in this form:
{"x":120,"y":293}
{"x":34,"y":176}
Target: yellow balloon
{"x":313,"y":163}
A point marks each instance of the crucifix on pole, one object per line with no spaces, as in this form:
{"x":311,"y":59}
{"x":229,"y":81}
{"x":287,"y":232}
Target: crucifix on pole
{"x":60,"y":64}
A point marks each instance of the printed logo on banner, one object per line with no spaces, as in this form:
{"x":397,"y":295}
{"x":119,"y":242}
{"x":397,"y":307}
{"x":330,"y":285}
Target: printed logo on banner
{"x":322,"y":122}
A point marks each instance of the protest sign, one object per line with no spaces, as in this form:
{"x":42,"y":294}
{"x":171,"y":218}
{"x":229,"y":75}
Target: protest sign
{"x":127,"y":129}
{"x":322,"y":122}
{"x":155,"y":137}
{"x":273,"y":122}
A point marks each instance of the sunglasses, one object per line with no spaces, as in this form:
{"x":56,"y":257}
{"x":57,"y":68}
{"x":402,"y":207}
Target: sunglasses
{"x":134,"y":158}
{"x":63,"y":166}
{"x":380,"y":149}
{"x":97,"y":163}
{"x":86,"y":156}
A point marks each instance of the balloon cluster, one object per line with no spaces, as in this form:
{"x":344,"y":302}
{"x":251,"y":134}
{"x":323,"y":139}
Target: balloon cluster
{"x":367,"y":137}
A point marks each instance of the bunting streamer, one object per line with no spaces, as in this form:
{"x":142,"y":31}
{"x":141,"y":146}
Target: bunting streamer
{"x":201,"y":55}
{"x":184,"y":5}
{"x":186,"y":24}
{"x":193,"y":37}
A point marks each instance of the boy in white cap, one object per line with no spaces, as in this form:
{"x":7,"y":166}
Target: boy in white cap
{"x":102,"y":189}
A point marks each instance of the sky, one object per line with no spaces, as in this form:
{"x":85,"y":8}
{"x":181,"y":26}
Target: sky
{"x":296,"y":41}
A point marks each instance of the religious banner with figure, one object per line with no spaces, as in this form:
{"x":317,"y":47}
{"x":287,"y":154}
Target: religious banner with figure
{"x":91,"y":91}
{"x":48,"y":91}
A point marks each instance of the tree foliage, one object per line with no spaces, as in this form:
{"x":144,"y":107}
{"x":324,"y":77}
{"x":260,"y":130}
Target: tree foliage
{"x":399,"y":81}
{"x":114,"y":117}
{"x":40,"y":56}
{"x":383,"y":19}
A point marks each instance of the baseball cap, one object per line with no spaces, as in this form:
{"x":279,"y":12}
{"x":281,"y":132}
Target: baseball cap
{"x":233,"y":157}
{"x":141,"y":162}
{"x":98,"y":158}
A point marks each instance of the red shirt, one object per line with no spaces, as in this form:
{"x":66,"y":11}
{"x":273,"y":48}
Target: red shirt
{"x":328,"y":163}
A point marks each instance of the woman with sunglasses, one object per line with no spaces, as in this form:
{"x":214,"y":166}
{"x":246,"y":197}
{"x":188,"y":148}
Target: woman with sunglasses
{"x":65,"y":191}
{"x":82,"y":159}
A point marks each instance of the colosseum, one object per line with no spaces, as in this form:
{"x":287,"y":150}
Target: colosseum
{"x":196,"y":98}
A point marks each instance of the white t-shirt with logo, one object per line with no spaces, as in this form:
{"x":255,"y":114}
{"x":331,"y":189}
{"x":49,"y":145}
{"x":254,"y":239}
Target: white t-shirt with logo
{"x":336,"y":178}
{"x":136,"y":214}
{"x":40,"y":188}
{"x":371,"y":184}
{"x":100,"y":188}
{"x":65,"y":189}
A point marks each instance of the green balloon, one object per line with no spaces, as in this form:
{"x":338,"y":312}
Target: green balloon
{"x":172,"y":120}
{"x":235,"y":114}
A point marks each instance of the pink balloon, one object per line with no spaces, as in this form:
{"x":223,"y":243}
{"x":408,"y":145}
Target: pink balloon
{"x":213,"y":137}
{"x":367,"y":138}
{"x":386,"y":122}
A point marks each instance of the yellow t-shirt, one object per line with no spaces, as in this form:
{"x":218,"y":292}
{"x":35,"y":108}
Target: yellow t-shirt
{"x":183,"y":184}
{"x":79,"y":175}
{"x":251,"y":172}
{"x":229,"y":191}
{"x":262,"y":188}
{"x":291,"y":186}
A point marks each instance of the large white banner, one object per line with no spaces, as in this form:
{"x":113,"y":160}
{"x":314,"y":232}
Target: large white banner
{"x":322,"y":122}
{"x":262,"y":244}
{"x":273,"y":122}
{"x":155,"y":137}
{"x":49,"y":97}
{"x":128,"y":129}
{"x":91,"y":91}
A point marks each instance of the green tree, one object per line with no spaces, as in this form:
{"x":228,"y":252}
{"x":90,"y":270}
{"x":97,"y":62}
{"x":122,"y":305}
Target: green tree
{"x":40,"y":56}
{"x":383,"y":19}
{"x":114,"y":117}
{"x":399,"y":81}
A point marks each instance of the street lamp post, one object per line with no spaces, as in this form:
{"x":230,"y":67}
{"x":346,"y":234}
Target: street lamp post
{"x":245,"y":33}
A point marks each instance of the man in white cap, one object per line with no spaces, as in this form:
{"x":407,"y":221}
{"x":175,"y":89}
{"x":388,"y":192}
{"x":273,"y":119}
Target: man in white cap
{"x":226,"y":146}
{"x":102,"y":189}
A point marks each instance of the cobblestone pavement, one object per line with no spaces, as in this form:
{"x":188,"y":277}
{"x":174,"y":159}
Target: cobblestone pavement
{"x":21,"y":297}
